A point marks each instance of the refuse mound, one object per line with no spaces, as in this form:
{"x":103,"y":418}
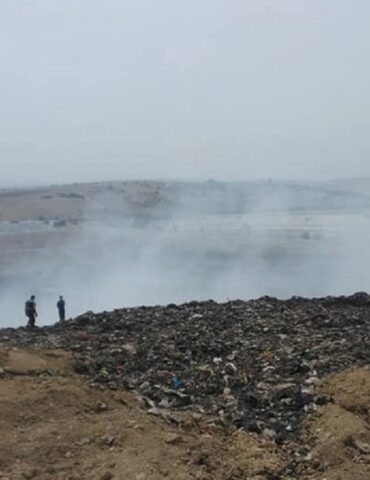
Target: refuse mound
{"x":265,"y":367}
{"x":255,"y":365}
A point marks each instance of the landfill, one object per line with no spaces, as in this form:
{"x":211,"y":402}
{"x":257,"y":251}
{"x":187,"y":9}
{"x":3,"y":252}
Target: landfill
{"x":252,"y":365}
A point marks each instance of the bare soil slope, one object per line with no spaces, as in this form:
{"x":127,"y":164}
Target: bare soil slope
{"x":53,"y":426}
{"x":341,"y":429}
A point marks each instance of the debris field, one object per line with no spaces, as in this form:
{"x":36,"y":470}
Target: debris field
{"x":253,"y":365}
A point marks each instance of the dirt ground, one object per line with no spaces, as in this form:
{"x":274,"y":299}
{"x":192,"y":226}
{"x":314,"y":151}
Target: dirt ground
{"x":54,"y":426}
{"x":341,"y":429}
{"x":77,"y":201}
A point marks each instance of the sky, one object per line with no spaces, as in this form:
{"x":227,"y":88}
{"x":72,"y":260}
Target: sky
{"x":223,"y":89}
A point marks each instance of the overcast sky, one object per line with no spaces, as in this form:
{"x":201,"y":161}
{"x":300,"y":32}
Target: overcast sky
{"x":228,"y":89}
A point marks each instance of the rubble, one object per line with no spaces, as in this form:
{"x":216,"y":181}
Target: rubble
{"x":255,"y":365}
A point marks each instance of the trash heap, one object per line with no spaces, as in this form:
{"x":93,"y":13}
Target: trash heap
{"x":254,"y":365}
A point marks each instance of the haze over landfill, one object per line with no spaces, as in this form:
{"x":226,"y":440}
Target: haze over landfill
{"x":105,"y":245}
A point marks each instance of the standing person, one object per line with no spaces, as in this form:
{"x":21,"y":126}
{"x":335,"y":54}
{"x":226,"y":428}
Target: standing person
{"x":61,"y":305}
{"x":30,"y":311}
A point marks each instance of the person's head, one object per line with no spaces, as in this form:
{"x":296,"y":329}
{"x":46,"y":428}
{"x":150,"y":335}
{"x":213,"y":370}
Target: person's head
{"x":33,"y":297}
{"x":60,"y":297}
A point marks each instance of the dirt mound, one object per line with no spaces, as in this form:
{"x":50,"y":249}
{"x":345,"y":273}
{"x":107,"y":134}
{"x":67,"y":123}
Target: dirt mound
{"x":341,"y":429}
{"x":56,"y":427}
{"x":14,"y":360}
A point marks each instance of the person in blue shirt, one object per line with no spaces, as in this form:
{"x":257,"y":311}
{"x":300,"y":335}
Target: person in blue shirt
{"x":61,"y":308}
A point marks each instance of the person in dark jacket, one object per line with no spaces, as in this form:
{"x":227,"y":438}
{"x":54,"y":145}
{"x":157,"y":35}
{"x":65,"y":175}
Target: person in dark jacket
{"x":61,"y":305}
{"x":30,"y":311}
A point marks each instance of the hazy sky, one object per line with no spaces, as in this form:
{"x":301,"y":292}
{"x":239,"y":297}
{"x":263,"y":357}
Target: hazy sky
{"x":229,"y":89}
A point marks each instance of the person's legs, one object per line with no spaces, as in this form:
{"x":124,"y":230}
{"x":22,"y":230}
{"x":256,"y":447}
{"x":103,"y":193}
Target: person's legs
{"x":31,"y":321}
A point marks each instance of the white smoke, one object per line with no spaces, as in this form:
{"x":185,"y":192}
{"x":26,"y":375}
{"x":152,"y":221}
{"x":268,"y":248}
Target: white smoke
{"x":195,"y":253}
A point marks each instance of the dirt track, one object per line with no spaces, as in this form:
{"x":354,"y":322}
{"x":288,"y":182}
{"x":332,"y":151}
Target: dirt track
{"x":53,"y":426}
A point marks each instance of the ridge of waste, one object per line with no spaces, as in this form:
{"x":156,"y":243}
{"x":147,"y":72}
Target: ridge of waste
{"x":253,"y":364}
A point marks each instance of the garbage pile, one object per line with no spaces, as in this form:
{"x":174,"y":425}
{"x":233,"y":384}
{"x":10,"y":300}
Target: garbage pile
{"x":254,"y":365}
